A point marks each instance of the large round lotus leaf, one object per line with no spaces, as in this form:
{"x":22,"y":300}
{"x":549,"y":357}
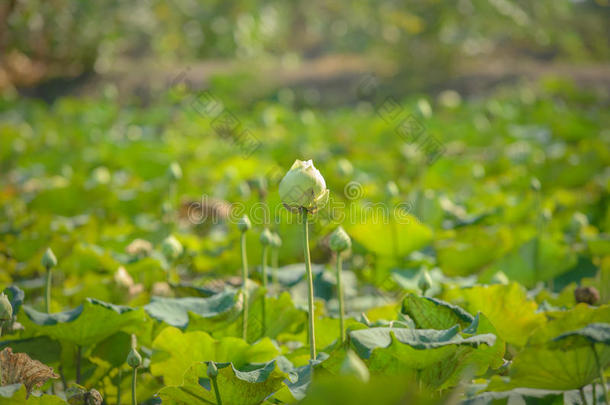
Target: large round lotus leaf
{"x":237,"y":387}
{"x":90,"y":323}
{"x":507,"y":307}
{"x":175,"y":351}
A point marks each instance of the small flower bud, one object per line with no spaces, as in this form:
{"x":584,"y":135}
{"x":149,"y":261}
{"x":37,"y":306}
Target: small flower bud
{"x":535,"y":184}
{"x":212,"y":370}
{"x":48,"y":259}
{"x":391,"y":189}
{"x":134,"y":359}
{"x":266,"y":237}
{"x":174,"y":171}
{"x":244,"y":224}
{"x":499,"y":278}
{"x":344,"y":167}
{"x":171,"y":248}
{"x":276,"y":241}
{"x":353,"y":365}
{"x":303,"y":187}
{"x":339,"y":240}
{"x":6,"y":309}
{"x":425,"y":281}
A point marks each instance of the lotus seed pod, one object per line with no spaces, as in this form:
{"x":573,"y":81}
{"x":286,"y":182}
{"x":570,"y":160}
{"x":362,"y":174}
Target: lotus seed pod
{"x":212,"y":370}
{"x":499,"y":278}
{"x":266,"y":237}
{"x":6,"y":309}
{"x":353,"y":365}
{"x":244,"y":224}
{"x":134,"y":359}
{"x":48,"y":259}
{"x":425,"y":281}
{"x":78,"y":395}
{"x":303,"y":187}
{"x":339,"y":240}
{"x":344,"y":167}
{"x":277,"y":240}
{"x":391,"y":189}
{"x":171,"y":248}
{"x":535,"y":184}
{"x":174,"y":171}
{"x":588,"y":295}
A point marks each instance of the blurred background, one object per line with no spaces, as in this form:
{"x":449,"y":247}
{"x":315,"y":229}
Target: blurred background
{"x":487,"y":119}
{"x":51,"y":48}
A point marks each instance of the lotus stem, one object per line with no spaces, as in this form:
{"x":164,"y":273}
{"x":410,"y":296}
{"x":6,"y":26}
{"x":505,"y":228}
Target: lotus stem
{"x":264,"y":298}
{"x":216,"y":391}
{"x":340,"y":294}
{"x":312,"y":339}
{"x":118,"y":387}
{"x":244,"y":276}
{"x":78,"y":357}
{"x":602,"y":377}
{"x":134,"y":377}
{"x":47,"y":296}
{"x":275,"y":264}
{"x":582,"y":396}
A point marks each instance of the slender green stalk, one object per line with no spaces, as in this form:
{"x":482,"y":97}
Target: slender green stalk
{"x":340,"y":294}
{"x":312,"y":338}
{"x":602,"y":377}
{"x":582,"y":396}
{"x":275,"y":264}
{"x":264,"y":297}
{"x":216,"y":391}
{"x":244,"y":276}
{"x":594,"y":390}
{"x":118,"y":387}
{"x":47,"y":297}
{"x":79,"y":350}
{"x":133,"y":386}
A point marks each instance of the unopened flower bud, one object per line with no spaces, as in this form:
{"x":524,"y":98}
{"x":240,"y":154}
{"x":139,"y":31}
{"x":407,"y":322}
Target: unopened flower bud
{"x":212,"y":370}
{"x":353,"y":365}
{"x":499,"y":278}
{"x":303,"y":187}
{"x":171,"y":248}
{"x":276,"y":241}
{"x":425,"y":281}
{"x":134,"y":359}
{"x":339,"y":240}
{"x":535,"y":184}
{"x":344,"y":167}
{"x":174,"y":171}
{"x":244,"y":224}
{"x":266,"y":237}
{"x":391,"y":189}
{"x":6,"y":309}
{"x":48,"y":259}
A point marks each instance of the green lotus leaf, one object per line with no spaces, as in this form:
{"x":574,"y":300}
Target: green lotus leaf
{"x":236,"y":386}
{"x":590,"y":334}
{"x":376,"y":237}
{"x":565,"y":322}
{"x":506,"y":306}
{"x":431,"y":313}
{"x":175,"y":311}
{"x":16,"y":394}
{"x":175,"y":351}
{"x":438,"y":357}
{"x":89,"y":323}
{"x":519,"y":265}
{"x":553,"y":369}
